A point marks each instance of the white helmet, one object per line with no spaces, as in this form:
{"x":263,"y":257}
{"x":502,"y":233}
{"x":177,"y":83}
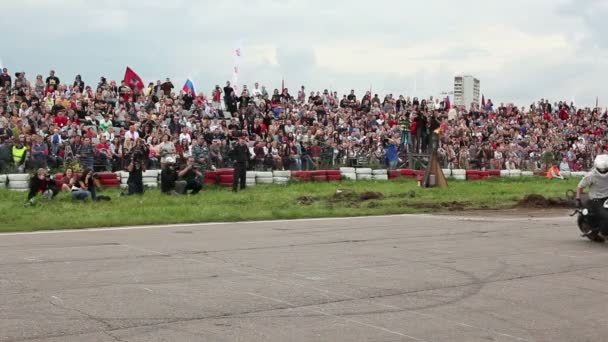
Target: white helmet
{"x":601,"y":164}
{"x":170,"y":160}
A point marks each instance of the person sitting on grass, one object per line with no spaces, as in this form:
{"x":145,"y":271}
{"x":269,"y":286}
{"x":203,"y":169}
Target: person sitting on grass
{"x":71,"y":184}
{"x":85,"y":186}
{"x":69,"y":180}
{"x":41,"y":183}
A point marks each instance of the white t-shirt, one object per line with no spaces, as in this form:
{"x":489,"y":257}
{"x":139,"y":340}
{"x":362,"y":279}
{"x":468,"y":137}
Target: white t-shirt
{"x":132,"y":135}
{"x":185,"y":136}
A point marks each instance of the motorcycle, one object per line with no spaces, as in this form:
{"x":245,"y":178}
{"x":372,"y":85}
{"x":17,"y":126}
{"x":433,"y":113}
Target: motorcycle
{"x":592,"y":218}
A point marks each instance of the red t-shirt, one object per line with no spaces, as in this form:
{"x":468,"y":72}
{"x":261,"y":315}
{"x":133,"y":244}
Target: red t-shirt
{"x":61,"y":121}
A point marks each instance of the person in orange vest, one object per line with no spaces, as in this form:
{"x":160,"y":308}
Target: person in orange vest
{"x":553,"y":172}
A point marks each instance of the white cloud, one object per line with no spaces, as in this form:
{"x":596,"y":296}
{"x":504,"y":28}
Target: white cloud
{"x":521,"y":50}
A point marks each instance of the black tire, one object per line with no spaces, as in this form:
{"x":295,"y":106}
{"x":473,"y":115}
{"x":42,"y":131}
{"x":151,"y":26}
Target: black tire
{"x":585,"y":228}
{"x":595,"y":237}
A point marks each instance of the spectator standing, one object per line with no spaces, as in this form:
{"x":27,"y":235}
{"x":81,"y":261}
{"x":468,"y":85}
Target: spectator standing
{"x":86,"y":154}
{"x":5,"y":79}
{"x":240,"y":155}
{"x":167,"y":87}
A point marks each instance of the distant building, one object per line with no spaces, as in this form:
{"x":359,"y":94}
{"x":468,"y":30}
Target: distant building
{"x":466,"y":91}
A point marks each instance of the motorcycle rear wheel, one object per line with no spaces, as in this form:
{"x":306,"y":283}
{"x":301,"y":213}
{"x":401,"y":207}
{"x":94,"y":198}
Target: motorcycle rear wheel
{"x":585,"y":228}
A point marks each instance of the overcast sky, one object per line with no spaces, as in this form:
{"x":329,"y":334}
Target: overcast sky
{"x":521,"y":50}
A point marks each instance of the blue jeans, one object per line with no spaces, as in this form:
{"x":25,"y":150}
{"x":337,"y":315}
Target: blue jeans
{"x":80,"y":194}
{"x":298,"y":163}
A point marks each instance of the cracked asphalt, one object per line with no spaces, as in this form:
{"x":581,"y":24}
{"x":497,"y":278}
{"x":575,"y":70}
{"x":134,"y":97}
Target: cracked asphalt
{"x":394,"y":278}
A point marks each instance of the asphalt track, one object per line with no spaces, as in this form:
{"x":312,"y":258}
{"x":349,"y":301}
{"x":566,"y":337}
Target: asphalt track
{"x":395,"y":278}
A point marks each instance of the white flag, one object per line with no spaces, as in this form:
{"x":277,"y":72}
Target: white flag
{"x":237,"y":54}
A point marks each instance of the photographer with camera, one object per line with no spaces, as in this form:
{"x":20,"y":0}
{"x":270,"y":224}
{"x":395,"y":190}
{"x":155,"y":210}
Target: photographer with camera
{"x":168,"y":177}
{"x":41,"y":183}
{"x":190,"y":177}
{"x":240,"y":155}
{"x":136,"y":169}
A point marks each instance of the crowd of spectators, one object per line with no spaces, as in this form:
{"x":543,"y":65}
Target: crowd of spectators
{"x":49,"y":123}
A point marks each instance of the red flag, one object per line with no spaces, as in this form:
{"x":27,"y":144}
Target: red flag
{"x":133,"y":80}
{"x":483,"y":101}
{"x":448,"y":104}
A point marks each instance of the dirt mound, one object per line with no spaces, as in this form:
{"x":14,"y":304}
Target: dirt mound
{"x":370,"y":195}
{"x":450,"y":206}
{"x":306,"y":200}
{"x":540,"y":201}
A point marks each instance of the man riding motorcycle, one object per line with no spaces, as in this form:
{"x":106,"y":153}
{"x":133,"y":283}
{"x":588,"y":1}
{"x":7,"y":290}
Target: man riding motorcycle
{"x":597,"y":182}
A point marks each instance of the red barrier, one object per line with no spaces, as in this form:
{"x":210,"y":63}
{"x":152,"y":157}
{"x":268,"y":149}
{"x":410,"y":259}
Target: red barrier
{"x":110,"y":183}
{"x":302,"y":175}
{"x":392,"y":174}
{"x":106,"y":175}
{"x":334,"y":177}
{"x":494,"y":173}
{"x":222,"y":172}
{"x":320,"y":178}
{"x":408,"y":173}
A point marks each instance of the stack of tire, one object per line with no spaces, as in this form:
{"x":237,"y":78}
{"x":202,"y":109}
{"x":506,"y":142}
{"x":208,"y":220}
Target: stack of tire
{"x":459,"y":174}
{"x":108,"y":179}
{"x":380,"y":175}
{"x":408,"y":173}
{"x":394,"y":174}
{"x":264,"y":177}
{"x":18,"y":182}
{"x":281,"y":177}
{"x":334,"y":175}
{"x":565,"y":174}
{"x":225,"y":177}
{"x":150,"y":178}
{"x":3,"y":179}
{"x":494,"y":173}
{"x":514,"y":173}
{"x":472,"y":175}
{"x":302,"y":176}
{"x":319,"y":176}
{"x":124,"y":177}
{"x":210,"y":178}
{"x":250,"y":178}
{"x":447,"y":173}
{"x":364,"y":173}
{"x":348,"y":173}
{"x":504,"y":173}
{"x":527,"y":173}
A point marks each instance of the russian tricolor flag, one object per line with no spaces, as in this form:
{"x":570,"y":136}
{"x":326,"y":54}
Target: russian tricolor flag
{"x":189,"y":87}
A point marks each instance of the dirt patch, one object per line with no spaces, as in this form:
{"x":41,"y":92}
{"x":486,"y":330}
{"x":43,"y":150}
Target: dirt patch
{"x":370,"y":195}
{"x":351,"y":199}
{"x":349,"y":195}
{"x":540,"y":201}
{"x":306,"y":200}
{"x":409,"y":194}
{"x":441,"y":206}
